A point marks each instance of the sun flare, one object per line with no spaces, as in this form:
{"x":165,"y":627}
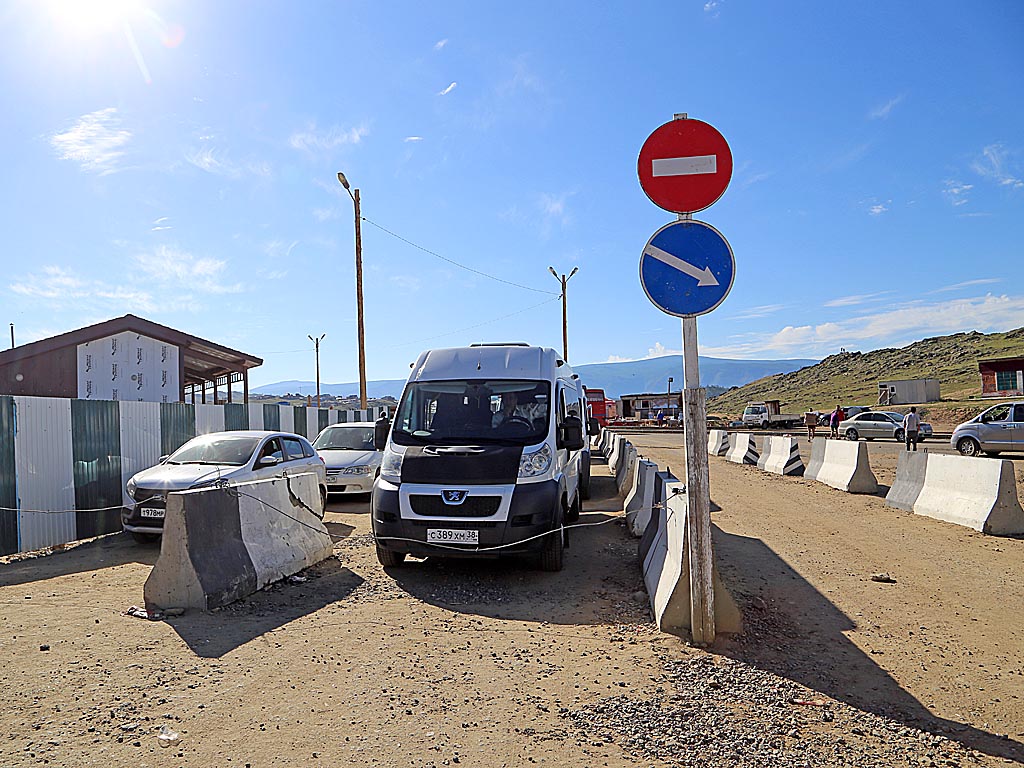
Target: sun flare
{"x":90,"y":18}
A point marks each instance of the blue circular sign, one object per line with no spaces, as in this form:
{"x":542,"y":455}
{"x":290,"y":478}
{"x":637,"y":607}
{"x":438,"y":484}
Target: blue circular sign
{"x":687,"y":268}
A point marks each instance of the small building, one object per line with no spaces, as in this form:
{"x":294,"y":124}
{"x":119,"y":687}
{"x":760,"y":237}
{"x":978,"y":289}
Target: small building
{"x":1002,"y":377}
{"x":647,"y":405}
{"x":908,"y":391}
{"x":127,"y":358}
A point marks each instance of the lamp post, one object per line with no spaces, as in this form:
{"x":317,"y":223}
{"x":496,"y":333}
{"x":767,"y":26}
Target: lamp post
{"x":359,"y":289}
{"x":316,"y":343}
{"x":565,"y":320}
{"x":668,"y":398}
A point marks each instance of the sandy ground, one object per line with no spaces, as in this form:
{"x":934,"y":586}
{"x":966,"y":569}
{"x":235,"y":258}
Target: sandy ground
{"x":492,"y":663}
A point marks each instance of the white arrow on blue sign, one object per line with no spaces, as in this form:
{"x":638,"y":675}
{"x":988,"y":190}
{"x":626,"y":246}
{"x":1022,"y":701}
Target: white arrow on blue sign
{"x":687,"y":268}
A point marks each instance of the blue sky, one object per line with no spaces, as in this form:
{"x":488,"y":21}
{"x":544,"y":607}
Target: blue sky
{"x":177,"y":161}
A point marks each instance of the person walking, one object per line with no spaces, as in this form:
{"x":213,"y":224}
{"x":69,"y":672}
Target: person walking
{"x":911,"y":427}
{"x":834,"y":418}
{"x":811,"y":422}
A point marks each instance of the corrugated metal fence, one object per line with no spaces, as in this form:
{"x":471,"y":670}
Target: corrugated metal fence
{"x":60,"y":458}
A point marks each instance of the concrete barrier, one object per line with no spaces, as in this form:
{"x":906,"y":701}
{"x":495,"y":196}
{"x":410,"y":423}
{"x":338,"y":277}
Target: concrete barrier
{"x":781,"y":456}
{"x":623,"y":476}
{"x":844,"y":466}
{"x":742,"y":449}
{"x":640,"y":499}
{"x":661,"y":481}
{"x":817,"y":458}
{"x":762,"y":457}
{"x":978,"y":493}
{"x":609,"y":447}
{"x":221,"y":544}
{"x":618,"y":444}
{"x":603,"y":443}
{"x":718,"y":442}
{"x":910,"y":471}
{"x":667,"y":573}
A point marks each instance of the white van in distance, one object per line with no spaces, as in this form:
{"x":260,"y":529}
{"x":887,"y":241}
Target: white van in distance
{"x":484,"y":457}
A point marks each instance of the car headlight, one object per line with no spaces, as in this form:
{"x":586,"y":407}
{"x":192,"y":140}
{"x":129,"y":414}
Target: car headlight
{"x":131,"y":488}
{"x":391,"y":465}
{"x":535,"y":463}
{"x":362,"y":469}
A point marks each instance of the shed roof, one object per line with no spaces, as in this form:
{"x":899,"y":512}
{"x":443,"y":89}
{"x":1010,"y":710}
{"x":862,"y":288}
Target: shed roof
{"x":203,"y":360}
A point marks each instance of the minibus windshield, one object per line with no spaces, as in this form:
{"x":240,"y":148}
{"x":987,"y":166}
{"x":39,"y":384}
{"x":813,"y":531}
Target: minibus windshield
{"x":496,"y":411}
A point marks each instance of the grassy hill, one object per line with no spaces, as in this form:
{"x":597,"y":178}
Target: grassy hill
{"x":852,"y":377}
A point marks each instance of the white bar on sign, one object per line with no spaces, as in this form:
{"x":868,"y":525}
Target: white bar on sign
{"x":684,"y":166}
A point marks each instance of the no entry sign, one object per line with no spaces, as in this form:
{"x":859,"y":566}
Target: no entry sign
{"x":684,"y":166}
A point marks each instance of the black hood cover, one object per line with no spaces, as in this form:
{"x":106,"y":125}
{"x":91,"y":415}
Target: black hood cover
{"x":462,"y":464}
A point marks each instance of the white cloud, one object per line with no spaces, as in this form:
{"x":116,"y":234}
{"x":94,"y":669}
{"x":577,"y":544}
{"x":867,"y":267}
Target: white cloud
{"x":170,"y":266}
{"x":96,"y":142}
{"x":956,"y":191}
{"x":66,"y":289}
{"x":882,"y":112}
{"x":448,"y":90}
{"x":412,"y":138}
{"x":879,"y":208}
{"x":763,"y":311}
{"x":440,"y":44}
{"x":852,"y":301}
{"x":325,"y":214}
{"x":406,"y":283}
{"x":896,"y":327}
{"x":312,"y":140}
{"x":207,"y":159}
{"x":711,"y":6}
{"x":968,"y":283}
{"x":993,"y":165}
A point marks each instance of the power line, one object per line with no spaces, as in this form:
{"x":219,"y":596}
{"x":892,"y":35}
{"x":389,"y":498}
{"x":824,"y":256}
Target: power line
{"x":457,"y":264}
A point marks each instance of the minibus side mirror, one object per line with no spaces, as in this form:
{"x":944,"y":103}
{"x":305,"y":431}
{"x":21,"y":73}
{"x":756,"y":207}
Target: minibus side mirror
{"x":593,"y":426}
{"x":570,"y":434}
{"x":380,"y":433}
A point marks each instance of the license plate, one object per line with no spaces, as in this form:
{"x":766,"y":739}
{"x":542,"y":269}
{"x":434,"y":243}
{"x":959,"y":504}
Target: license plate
{"x":452,"y":536}
{"x":151,"y":512}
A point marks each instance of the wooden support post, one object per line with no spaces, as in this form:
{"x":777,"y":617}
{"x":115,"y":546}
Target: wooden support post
{"x":698,"y":494}
{"x":245,"y":386}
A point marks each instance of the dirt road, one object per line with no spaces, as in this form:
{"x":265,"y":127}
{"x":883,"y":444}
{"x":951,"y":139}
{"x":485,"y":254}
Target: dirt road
{"x":496,"y":664}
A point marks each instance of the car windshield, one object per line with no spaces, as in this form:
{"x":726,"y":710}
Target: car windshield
{"x":473,"y":411}
{"x":234,"y":450}
{"x":897,"y":417}
{"x":754,"y":410}
{"x":345,"y":439}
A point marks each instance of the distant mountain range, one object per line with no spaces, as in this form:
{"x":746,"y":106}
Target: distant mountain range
{"x":616,"y":379}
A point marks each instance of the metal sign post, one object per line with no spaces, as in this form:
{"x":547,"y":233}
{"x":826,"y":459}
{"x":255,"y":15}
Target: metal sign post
{"x":687,"y":269}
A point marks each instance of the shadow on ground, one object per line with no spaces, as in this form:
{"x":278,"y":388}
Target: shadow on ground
{"x":215,"y":633}
{"x":595,"y":586}
{"x":794,"y":631}
{"x":102,"y":552}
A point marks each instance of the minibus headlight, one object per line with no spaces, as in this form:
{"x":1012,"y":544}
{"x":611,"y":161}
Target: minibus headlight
{"x":535,"y":463}
{"x":391,"y":465}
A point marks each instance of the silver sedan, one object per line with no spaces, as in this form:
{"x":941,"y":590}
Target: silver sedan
{"x":882,"y":424}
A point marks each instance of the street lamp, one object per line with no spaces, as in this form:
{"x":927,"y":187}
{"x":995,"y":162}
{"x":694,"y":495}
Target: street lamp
{"x":359,"y":289}
{"x":316,"y":342}
{"x":668,"y":398}
{"x":565,"y":321}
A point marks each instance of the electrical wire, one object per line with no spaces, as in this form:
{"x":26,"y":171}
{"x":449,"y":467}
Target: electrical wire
{"x":457,"y":264}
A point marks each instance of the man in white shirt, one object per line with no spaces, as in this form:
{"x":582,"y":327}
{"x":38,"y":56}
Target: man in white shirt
{"x":911,"y":426}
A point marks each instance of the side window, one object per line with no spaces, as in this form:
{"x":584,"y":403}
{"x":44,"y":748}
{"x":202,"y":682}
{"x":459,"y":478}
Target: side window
{"x":307,"y":449}
{"x":1018,"y":413}
{"x":272,"y":448}
{"x":293,"y":447}
{"x":998,"y":413}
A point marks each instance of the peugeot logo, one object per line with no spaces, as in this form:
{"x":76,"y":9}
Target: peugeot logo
{"x":453,"y":497}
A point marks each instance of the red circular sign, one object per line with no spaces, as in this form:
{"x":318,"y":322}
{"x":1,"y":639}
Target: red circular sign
{"x":684,"y":166}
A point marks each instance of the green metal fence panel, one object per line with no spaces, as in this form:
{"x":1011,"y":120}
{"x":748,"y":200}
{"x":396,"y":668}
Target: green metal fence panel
{"x":300,"y":420}
{"x":272,"y":417}
{"x":324,"y":418}
{"x":236,"y":416}
{"x":8,"y":486}
{"x":177,"y":426}
{"x":96,"y":455}
{"x":343,"y":418}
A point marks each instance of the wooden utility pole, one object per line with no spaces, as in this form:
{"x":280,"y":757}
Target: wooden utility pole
{"x":316,"y":343}
{"x":359,"y":302}
{"x":563,"y":279}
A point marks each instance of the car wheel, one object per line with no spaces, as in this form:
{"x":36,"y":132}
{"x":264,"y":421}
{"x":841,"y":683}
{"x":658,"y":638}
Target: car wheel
{"x":147,"y":539}
{"x":764,"y":425}
{"x":553,"y":557}
{"x":900,"y":435}
{"x":323,"y":500}
{"x":389,"y":558}
{"x":851,"y":434}
{"x":968,"y":446}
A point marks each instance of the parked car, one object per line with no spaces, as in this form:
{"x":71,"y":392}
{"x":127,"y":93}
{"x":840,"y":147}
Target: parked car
{"x":235,"y":457}
{"x":352,"y":461}
{"x":880,"y":424}
{"x":994,"y":430}
{"x":849,"y":411}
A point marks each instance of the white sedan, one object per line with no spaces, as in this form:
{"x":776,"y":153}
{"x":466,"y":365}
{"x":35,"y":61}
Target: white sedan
{"x":352,"y":461}
{"x":883,"y":424}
